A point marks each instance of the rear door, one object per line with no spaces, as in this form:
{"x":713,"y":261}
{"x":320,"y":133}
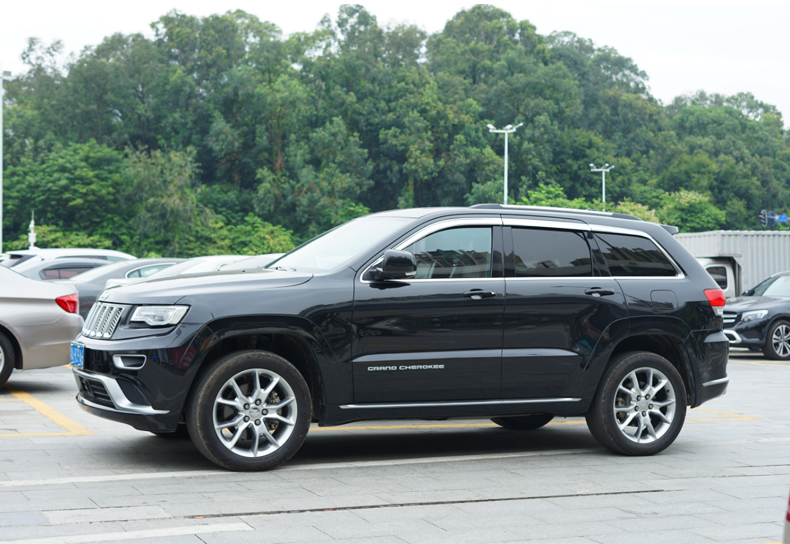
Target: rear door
{"x":559,"y":306}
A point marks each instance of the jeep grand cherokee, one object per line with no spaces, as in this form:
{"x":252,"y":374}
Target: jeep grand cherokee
{"x":513,"y":313}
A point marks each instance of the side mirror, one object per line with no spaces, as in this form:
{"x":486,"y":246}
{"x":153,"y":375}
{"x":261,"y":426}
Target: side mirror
{"x":396,"y":265}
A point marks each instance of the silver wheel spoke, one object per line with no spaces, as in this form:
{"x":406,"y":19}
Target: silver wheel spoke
{"x":278,"y":417}
{"x":270,"y":388}
{"x":240,"y":397}
{"x":661,"y":416}
{"x":650,"y":430}
{"x":256,"y":385}
{"x":240,"y":431}
{"x":280,"y":405}
{"x":627,"y":421}
{"x":232,"y":423}
{"x":270,"y":437}
{"x":663,"y":403}
{"x":233,"y":403}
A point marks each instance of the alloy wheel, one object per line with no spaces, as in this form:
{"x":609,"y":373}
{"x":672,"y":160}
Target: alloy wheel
{"x":644,"y":405}
{"x":780,"y":340}
{"x":255,"y":413}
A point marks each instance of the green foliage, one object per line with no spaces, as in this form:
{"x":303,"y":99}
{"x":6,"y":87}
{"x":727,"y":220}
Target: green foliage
{"x":637,"y":210}
{"x":49,"y":236}
{"x":234,"y":129}
{"x":690,"y":212}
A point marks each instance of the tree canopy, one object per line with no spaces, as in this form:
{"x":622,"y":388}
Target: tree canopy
{"x":219,"y":133}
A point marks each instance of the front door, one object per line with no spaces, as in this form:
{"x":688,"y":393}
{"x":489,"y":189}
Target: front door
{"x":437,"y":337}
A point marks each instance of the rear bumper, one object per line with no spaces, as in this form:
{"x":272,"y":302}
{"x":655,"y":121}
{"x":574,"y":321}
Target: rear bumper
{"x":710,"y":371}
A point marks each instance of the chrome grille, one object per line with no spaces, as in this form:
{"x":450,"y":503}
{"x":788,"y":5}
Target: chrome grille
{"x":730,"y":318}
{"x":102,"y":320}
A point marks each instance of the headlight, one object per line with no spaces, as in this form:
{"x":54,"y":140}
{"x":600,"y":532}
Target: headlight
{"x":159,"y":315}
{"x":754,"y":315}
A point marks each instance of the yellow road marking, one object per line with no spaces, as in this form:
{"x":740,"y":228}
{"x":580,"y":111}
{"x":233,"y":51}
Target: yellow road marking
{"x":729,"y":417}
{"x":53,"y":415}
{"x":775,"y":363}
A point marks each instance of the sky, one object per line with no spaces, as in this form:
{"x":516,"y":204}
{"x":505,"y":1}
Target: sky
{"x":718,"y":47}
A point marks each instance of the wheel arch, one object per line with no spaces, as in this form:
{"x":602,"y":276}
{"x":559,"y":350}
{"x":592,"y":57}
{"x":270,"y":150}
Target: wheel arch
{"x":292,"y":343}
{"x":667,"y":346}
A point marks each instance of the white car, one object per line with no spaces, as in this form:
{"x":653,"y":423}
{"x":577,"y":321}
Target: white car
{"x":195,"y":265}
{"x":38,"y":321}
{"x":15,"y":258}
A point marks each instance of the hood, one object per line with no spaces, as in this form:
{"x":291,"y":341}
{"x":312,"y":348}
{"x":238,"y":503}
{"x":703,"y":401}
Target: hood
{"x":743,"y":304}
{"x":172,"y":290}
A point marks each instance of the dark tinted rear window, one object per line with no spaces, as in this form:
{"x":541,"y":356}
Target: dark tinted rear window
{"x":633,"y":256}
{"x":544,"y":252}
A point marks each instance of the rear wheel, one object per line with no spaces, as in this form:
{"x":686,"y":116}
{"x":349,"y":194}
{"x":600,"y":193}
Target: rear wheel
{"x":523,"y":423}
{"x":7,"y":358}
{"x":251,"y":411}
{"x":640,"y":405}
{"x":777,"y":341}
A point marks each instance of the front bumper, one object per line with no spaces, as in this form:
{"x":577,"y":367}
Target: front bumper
{"x":142,"y":382}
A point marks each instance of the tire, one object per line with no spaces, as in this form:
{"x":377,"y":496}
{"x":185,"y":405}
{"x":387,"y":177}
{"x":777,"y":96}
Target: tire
{"x":640,"y":405}
{"x":239,"y":426}
{"x":7,"y":358}
{"x":523,"y":423}
{"x":777,"y":341}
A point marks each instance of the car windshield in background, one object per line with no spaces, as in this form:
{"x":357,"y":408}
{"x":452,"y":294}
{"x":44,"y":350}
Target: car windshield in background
{"x":778,"y":286}
{"x":341,"y":244}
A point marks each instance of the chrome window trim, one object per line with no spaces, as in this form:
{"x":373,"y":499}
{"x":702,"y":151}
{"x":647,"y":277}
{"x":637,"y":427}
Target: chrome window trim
{"x":450,"y":404}
{"x":436,"y":227}
{"x":540,"y":223}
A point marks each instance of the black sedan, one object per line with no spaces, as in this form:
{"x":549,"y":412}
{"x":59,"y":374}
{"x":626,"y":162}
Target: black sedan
{"x":760,"y":320}
{"x":91,"y":283}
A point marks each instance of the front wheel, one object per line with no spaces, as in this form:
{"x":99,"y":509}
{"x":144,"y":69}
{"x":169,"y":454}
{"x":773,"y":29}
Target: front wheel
{"x":777,"y":341}
{"x":251,"y":411}
{"x":640,"y":405}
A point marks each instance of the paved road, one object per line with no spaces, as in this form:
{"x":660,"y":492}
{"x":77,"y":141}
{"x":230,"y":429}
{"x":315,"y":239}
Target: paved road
{"x":67,"y":477}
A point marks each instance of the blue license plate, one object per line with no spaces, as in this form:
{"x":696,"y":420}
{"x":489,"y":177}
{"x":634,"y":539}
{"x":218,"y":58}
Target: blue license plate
{"x":77,"y":355}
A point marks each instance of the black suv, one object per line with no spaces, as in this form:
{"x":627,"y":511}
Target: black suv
{"x":513,"y":313}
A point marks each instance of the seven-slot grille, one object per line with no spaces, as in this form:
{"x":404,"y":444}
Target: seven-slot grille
{"x":102,"y":320}
{"x":730,"y":318}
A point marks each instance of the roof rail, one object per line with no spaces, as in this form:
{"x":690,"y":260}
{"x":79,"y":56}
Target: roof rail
{"x":550,"y":208}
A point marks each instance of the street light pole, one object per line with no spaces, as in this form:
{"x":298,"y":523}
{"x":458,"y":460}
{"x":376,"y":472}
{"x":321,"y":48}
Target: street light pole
{"x":603,"y":170}
{"x":510,"y":129}
{"x":3,"y":76}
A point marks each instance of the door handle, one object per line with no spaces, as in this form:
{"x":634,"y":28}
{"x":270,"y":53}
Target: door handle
{"x":598,"y":292}
{"x":477,"y":294}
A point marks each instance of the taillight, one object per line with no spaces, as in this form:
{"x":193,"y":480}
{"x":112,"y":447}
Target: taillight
{"x":70,"y":303}
{"x":717,"y":300}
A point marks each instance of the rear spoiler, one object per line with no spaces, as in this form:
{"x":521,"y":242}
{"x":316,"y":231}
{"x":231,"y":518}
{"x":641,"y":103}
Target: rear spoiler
{"x":670,"y":229}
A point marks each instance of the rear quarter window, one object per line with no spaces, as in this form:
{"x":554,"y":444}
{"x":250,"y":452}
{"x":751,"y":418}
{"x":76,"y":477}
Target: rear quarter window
{"x":634,"y":256}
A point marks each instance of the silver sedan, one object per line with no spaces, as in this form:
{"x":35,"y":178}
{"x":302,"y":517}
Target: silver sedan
{"x":38,"y":320}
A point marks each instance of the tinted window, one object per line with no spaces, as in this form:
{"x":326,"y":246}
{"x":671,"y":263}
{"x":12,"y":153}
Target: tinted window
{"x":66,"y":273}
{"x":633,"y":256}
{"x":454,"y":253}
{"x":541,"y":253}
{"x":719,"y":274}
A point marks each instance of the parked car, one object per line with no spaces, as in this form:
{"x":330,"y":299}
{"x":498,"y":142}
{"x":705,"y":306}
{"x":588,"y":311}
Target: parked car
{"x":89,"y":284}
{"x":513,"y":313}
{"x":55,"y":269}
{"x":38,"y":320}
{"x":196,"y":265}
{"x":15,"y":258}
{"x":258,"y":261}
{"x":760,"y":320}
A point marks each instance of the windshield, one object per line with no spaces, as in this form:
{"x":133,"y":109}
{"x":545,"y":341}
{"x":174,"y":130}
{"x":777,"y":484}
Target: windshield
{"x":777,"y":286}
{"x":341,"y":245}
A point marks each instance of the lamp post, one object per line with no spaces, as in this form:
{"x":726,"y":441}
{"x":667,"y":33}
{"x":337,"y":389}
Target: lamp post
{"x":603,"y":170}
{"x":3,"y":77}
{"x":510,"y":129}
